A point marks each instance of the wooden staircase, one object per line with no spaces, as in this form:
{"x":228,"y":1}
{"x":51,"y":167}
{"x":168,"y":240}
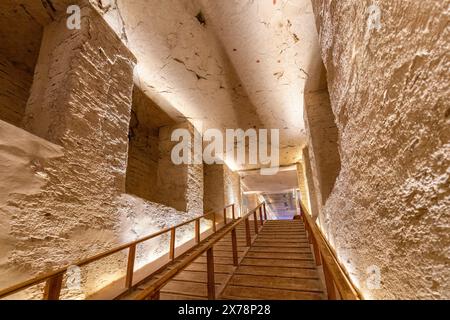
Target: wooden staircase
{"x":249,"y":257}
{"x":278,"y":265}
{"x":191,"y":283}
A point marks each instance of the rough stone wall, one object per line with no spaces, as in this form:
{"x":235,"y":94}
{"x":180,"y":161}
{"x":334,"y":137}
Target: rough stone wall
{"x":144,"y":152}
{"x":213,"y":199}
{"x":314,"y":207}
{"x":15,"y":85}
{"x":180,"y":186}
{"x":19,"y":49}
{"x":323,"y":144}
{"x":302,"y":185}
{"x":390,"y":208}
{"x":80,"y":100}
{"x":232,"y":190}
{"x":222,"y":188}
{"x":194,"y":183}
{"x":250,"y":202}
{"x":22,"y":159}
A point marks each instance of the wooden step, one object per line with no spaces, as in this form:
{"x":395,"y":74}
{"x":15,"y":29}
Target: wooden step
{"x":187,"y":288}
{"x":279,"y":263}
{"x":217,"y":268}
{"x":278,"y":272}
{"x":277,"y":255}
{"x":242,"y":293}
{"x":265,"y":244}
{"x":217,"y":260}
{"x":196,"y":276}
{"x":174,"y":296}
{"x":298,"y":249}
{"x":282,"y":238}
{"x":271,"y":282}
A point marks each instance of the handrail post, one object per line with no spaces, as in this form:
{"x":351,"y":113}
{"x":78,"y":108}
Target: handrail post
{"x":233,"y":213}
{"x":130,"y":266}
{"x":210,"y":270}
{"x":224,"y":216}
{"x":329,"y":282}
{"x":214,"y":223}
{"x":53,"y":286}
{"x":265,"y":211}
{"x":317,"y":255}
{"x":255,"y":221}
{"x":247,"y":232}
{"x":234,"y":247}
{"x":309,"y":233}
{"x":197,"y":231}
{"x":261,"y":216}
{"x":172,"y":244}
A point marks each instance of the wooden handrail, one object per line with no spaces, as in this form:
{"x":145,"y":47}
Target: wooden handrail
{"x":335,"y":274}
{"x":152,"y":290}
{"x":54,"y":279}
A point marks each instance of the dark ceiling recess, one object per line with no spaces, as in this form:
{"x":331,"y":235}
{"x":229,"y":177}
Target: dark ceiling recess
{"x":201,"y":18}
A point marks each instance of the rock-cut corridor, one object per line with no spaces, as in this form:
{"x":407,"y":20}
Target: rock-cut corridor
{"x":203,"y":149}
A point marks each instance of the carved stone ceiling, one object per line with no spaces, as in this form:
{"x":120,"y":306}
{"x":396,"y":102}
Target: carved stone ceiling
{"x":224,"y":64}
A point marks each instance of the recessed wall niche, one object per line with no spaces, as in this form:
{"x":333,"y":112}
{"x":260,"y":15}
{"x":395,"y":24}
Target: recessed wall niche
{"x":19,"y":51}
{"x":144,"y":153}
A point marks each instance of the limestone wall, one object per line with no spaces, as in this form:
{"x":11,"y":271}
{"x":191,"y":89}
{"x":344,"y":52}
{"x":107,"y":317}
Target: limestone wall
{"x":303,"y":186}
{"x":222,"y":188}
{"x":180,"y":186}
{"x":251,"y":201}
{"x":143,"y":151}
{"x":70,"y":202}
{"x":213,"y":198}
{"x":389,"y":212}
{"x":323,"y":145}
{"x":20,"y":36}
{"x":232,"y":190}
{"x":314,"y":207}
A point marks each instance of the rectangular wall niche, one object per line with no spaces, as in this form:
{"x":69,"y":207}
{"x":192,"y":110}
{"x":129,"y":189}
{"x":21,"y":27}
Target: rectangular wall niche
{"x":150,"y":173}
{"x":19,"y":51}
{"x":324,"y":141}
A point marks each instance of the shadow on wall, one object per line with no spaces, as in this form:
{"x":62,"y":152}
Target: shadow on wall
{"x":322,"y":155}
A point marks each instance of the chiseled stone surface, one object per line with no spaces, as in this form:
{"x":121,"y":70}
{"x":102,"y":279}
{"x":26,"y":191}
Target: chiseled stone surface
{"x":232,"y":188}
{"x":245,"y":65}
{"x":222,"y":188}
{"x":180,"y":186}
{"x":213,"y":192}
{"x":390,"y":207}
{"x":313,"y":205}
{"x":81,"y":101}
{"x":302,"y":185}
{"x":19,"y":49}
{"x":323,"y":145}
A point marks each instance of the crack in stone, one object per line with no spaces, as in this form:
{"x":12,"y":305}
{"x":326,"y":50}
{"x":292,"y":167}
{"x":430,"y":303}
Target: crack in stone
{"x":190,"y":70}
